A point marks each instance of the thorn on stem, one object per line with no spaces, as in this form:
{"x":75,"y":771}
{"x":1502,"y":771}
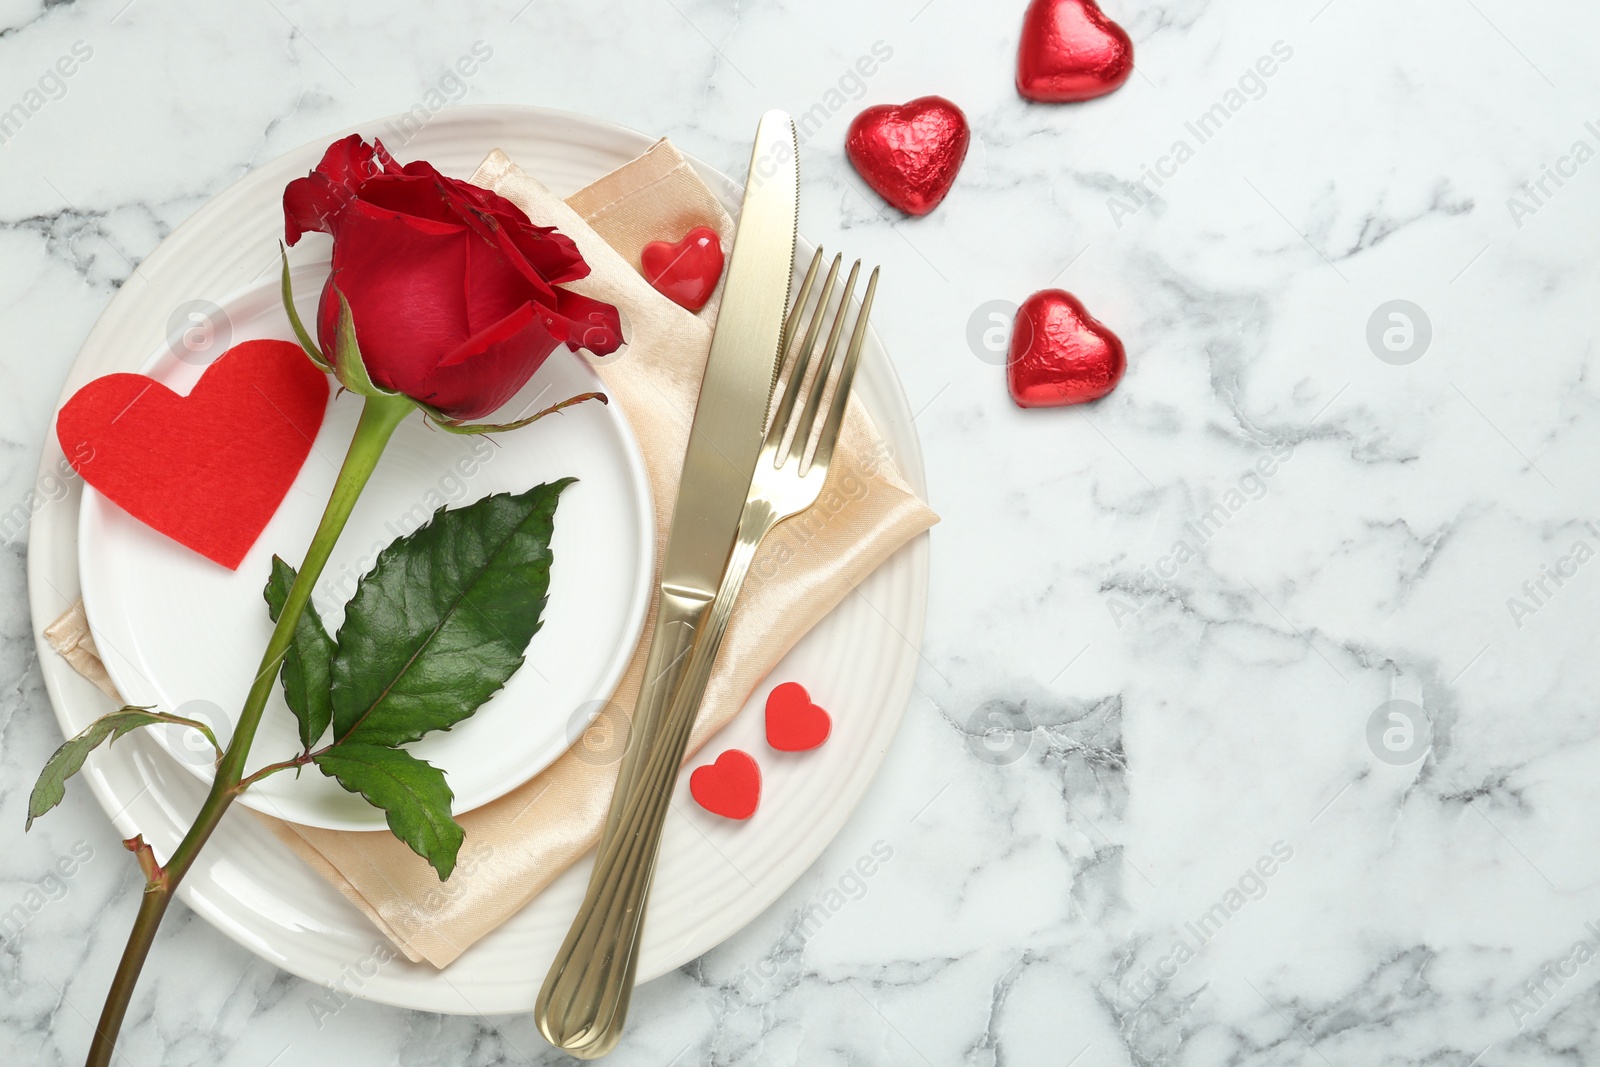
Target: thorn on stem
{"x":154,"y":875}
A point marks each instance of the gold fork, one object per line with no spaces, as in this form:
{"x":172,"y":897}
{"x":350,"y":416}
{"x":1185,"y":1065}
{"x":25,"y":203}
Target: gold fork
{"x":584,"y":1001}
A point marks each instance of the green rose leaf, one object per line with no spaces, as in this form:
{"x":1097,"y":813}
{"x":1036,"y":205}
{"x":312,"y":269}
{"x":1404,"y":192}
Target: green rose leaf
{"x":444,"y":618}
{"x":411,"y":792}
{"x":307,"y":666}
{"x":436,"y":628}
{"x":68,"y":760}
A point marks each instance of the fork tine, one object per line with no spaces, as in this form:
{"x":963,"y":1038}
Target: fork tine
{"x":847,"y":376}
{"x":795,"y":312}
{"x":786,"y":341}
{"x":802,"y":362}
{"x":808,"y":419}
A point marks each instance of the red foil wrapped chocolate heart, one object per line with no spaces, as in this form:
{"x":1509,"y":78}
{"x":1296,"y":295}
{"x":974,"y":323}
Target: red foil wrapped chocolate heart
{"x":910,"y":154}
{"x":1071,"y":51}
{"x":1060,"y":354}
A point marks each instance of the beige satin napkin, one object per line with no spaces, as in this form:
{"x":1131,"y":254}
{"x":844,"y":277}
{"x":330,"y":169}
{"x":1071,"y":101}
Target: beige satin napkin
{"x":516,"y":845}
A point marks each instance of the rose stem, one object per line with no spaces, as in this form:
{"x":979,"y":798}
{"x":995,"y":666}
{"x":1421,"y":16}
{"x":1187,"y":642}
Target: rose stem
{"x":379,"y":417}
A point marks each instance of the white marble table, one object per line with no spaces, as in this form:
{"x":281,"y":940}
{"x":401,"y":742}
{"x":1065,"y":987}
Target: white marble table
{"x":1205,"y":841}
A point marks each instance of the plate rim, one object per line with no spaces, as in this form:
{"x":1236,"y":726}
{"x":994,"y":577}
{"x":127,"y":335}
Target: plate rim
{"x":58,"y":674}
{"x":616,"y":666}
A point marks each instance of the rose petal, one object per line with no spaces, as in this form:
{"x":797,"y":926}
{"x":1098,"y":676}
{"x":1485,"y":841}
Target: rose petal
{"x":315,"y":202}
{"x":499,"y":303}
{"x":583,"y":322}
{"x":491,"y":289}
{"x":368,"y":210}
{"x":553,"y":255}
{"x":482,"y":384}
{"x":403,"y":283}
{"x":493,"y":233}
{"x":388,"y":161}
{"x":493,"y":334}
{"x":411,"y":195}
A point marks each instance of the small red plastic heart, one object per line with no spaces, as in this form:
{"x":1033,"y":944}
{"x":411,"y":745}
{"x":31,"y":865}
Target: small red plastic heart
{"x":1060,"y":354}
{"x":208,"y":469}
{"x":730,"y":787}
{"x":794,"y":724}
{"x":1071,"y":51}
{"x":911,"y":153}
{"x":685,"y":272}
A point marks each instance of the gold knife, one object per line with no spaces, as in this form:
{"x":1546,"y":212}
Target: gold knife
{"x":584,"y":1001}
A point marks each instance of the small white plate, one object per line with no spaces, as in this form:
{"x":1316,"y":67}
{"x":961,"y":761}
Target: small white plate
{"x":713,"y":876}
{"x":179,"y":632}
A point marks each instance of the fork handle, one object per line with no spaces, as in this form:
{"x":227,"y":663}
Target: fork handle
{"x":584,"y":1001}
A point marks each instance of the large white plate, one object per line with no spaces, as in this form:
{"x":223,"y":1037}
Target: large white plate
{"x":713,"y":876}
{"x":178,"y":631}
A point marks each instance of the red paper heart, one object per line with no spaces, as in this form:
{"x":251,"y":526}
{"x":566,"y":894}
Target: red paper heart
{"x":794,"y":724}
{"x":686,"y":272}
{"x":208,"y":469}
{"x":1070,"y":51}
{"x":730,"y":787}
{"x":910,"y":154}
{"x":1060,"y":354}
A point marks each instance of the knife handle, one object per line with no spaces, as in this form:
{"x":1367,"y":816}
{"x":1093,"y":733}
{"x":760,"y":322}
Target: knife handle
{"x":678,"y":619}
{"x":584,"y":1001}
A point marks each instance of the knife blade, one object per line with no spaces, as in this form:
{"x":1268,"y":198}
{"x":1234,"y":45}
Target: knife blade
{"x":729,"y":420}
{"x":584,"y":1000}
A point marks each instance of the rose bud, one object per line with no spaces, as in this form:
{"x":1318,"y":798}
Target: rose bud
{"x":455,"y":294}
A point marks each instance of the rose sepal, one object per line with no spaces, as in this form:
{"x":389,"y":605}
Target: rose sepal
{"x":347,"y":364}
{"x":444,"y":422}
{"x":301,"y":334}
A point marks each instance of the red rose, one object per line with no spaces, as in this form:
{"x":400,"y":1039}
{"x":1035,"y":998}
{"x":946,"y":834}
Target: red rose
{"x":454,"y":292}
